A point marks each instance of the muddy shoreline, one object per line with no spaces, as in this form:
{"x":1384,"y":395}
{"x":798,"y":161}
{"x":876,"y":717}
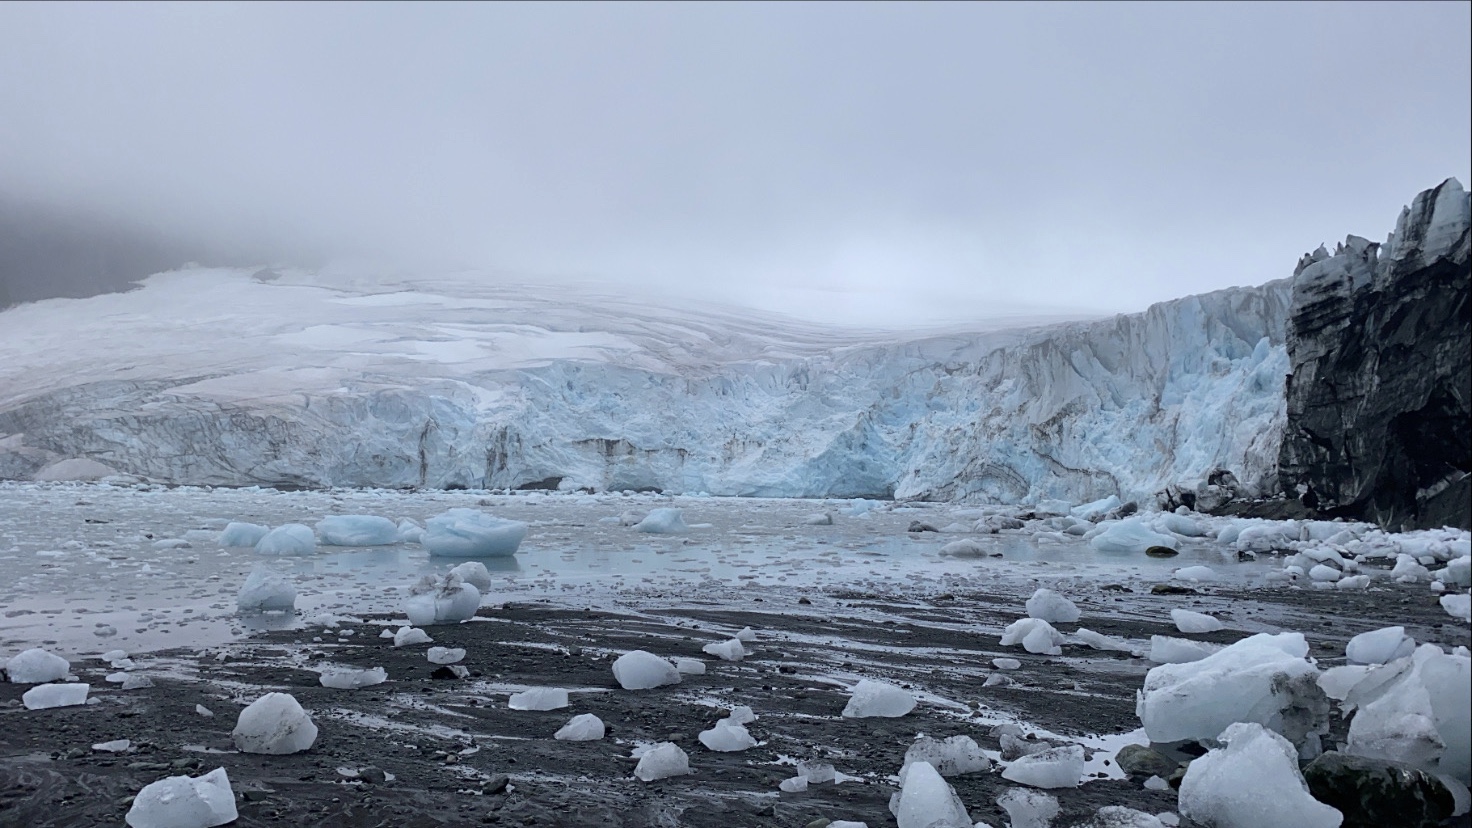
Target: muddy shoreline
{"x":458,"y":755}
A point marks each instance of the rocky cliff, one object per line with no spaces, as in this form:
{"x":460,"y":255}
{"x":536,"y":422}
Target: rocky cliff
{"x":1380,"y":341}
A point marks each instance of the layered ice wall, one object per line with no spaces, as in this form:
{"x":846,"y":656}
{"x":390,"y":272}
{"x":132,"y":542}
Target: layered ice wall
{"x":233,"y":378}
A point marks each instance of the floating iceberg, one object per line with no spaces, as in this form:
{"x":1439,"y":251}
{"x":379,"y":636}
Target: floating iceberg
{"x":357,"y":530}
{"x":663,"y":521}
{"x":291,"y":539}
{"x":466,"y":533}
{"x":266,"y":591}
{"x":242,"y":535}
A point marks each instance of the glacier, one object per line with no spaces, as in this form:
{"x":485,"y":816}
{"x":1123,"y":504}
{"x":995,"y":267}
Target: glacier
{"x":221,"y":377}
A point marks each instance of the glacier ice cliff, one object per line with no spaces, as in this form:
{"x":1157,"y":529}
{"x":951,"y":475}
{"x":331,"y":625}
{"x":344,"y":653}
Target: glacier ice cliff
{"x":292,"y":378}
{"x":1079,"y":411}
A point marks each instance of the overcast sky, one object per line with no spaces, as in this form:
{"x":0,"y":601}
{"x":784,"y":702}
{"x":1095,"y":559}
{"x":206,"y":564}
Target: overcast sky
{"x":866,"y":162}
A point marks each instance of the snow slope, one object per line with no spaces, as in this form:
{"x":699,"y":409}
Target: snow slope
{"x":237,"y":378}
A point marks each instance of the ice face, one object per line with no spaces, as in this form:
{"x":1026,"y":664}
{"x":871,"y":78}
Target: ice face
{"x":37,"y":666}
{"x":357,"y":530}
{"x":877,"y":699}
{"x":661,"y":761}
{"x":925,"y":800}
{"x":1253,"y":782}
{"x":584,"y":728}
{"x":558,"y":389}
{"x":274,"y":724}
{"x":640,"y":670}
{"x":291,"y":539}
{"x":466,"y":533}
{"x":184,"y":802}
{"x":539,"y":698}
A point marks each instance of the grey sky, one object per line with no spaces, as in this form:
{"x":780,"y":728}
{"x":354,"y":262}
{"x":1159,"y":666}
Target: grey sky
{"x":865,"y":162}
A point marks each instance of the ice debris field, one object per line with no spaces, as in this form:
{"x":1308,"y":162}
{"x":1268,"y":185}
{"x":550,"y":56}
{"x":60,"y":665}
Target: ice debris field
{"x":1198,"y":633}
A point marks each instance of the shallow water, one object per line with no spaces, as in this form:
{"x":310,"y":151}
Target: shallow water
{"x":82,"y":574}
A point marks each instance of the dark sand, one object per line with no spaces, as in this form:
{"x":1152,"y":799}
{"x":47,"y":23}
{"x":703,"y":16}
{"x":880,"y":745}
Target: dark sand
{"x":416,"y":725}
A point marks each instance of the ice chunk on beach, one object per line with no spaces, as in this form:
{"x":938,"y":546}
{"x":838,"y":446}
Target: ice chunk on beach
{"x":1047,"y":605}
{"x":466,"y":533}
{"x":475,"y":574}
{"x":357,"y":530}
{"x":1188,"y":621}
{"x":727,"y":737}
{"x":1264,"y":679}
{"x":445,"y":655}
{"x":641,"y":670}
{"x":1133,"y":535}
{"x":1059,"y":767}
{"x":870,"y":699}
{"x":445,"y":600}
{"x":239,"y":535}
{"x":663,"y":760}
{"x":184,"y":802}
{"x":1118,"y":816}
{"x":1252,"y":782}
{"x":926,"y":800}
{"x":584,"y":728}
{"x":965,"y":548}
{"x":1379,"y":646}
{"x":44,"y":696}
{"x":1458,"y":606}
{"x":274,"y":724}
{"x":291,"y":539}
{"x":266,"y":591}
{"x":731,"y":650}
{"x":1418,"y":711}
{"x":538,"y":698}
{"x":1028,"y":809}
{"x":1035,"y":635}
{"x":1195,"y":574}
{"x":955,"y":756}
{"x":36,"y":666}
{"x":690,"y":666}
{"x":407,"y":636}
{"x":115,"y":746}
{"x":1100,"y":641}
{"x":345,"y":678}
{"x":663,"y":521}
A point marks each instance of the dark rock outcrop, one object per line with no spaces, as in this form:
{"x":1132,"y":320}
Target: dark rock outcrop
{"x":1376,"y":792}
{"x":1380,"y":396}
